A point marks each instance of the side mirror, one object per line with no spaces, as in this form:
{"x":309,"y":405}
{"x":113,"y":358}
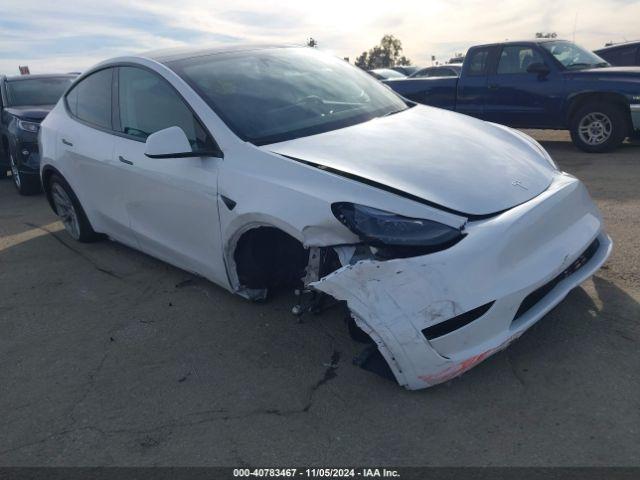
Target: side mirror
{"x":538,"y":68}
{"x":172,"y":142}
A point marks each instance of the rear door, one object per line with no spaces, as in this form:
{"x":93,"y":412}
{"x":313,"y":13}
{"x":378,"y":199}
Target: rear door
{"x":521,"y":99}
{"x":85,"y":149}
{"x":172,"y":202}
{"x":472,"y":85}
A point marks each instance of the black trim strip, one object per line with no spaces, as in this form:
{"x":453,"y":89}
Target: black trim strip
{"x":387,"y":188}
{"x":196,"y":153}
{"x":448,"y":326}
{"x":540,"y":293}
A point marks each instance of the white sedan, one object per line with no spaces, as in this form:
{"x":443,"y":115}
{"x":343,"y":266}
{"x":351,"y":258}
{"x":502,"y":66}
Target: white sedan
{"x":274,"y":167}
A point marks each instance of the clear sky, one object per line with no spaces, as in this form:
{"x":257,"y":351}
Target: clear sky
{"x":65,"y":35}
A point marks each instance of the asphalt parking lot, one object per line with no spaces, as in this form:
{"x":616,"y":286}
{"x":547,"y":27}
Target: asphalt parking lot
{"x":110,"y":357}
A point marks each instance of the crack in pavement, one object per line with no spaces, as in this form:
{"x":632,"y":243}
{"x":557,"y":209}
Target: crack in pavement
{"x":76,"y":251}
{"x":514,"y":370}
{"x":214,"y":414}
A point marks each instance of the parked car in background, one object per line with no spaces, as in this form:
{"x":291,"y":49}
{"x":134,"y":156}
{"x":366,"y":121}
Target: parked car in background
{"x":439,"y":71}
{"x":385,"y":73}
{"x":406,"y":69}
{"x":267,"y":168}
{"x":551,"y":84}
{"x":24,"y":101}
{"x":622,"y":54}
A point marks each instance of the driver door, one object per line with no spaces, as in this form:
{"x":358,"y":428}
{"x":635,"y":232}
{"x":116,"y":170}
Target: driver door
{"x":172,"y":202}
{"x":518,"y":98}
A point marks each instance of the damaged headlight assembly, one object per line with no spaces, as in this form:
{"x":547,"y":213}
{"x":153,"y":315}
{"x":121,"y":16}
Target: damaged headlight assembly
{"x":393,"y":235}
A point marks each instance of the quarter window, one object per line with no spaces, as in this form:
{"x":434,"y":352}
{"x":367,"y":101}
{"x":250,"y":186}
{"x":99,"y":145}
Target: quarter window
{"x":148,"y":104}
{"x":516,"y":59}
{"x":90,"y":100}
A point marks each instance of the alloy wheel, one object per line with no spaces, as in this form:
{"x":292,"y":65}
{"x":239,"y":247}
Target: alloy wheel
{"x":66,"y":211}
{"x":14,"y":171}
{"x":595,"y":128}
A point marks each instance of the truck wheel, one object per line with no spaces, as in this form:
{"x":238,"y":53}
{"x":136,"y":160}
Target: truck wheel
{"x":26,"y":184}
{"x":599,"y":127}
{"x":70,"y":211}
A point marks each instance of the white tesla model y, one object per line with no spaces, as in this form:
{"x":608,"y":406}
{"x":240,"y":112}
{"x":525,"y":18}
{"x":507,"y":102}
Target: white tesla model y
{"x":260,"y":167}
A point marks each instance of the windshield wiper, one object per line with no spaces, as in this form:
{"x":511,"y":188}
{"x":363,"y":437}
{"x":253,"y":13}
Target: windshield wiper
{"x":579,"y":64}
{"x":393,"y":112}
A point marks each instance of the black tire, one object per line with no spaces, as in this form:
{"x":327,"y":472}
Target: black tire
{"x":68,"y":208}
{"x":4,"y":171}
{"x":25,"y":184}
{"x":599,"y":127}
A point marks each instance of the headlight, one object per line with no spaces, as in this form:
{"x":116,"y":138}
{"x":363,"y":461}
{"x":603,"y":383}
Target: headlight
{"x":385,"y":229}
{"x":32,"y":127}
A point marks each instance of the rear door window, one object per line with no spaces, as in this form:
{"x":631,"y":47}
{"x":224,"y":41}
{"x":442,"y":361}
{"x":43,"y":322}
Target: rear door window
{"x":478,"y":61}
{"x":90,"y":99}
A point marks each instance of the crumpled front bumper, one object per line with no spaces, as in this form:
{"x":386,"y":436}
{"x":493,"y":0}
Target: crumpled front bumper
{"x":501,"y":260}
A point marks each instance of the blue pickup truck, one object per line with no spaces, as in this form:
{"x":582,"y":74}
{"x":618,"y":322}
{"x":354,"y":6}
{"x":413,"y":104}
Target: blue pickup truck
{"x":551,"y":84}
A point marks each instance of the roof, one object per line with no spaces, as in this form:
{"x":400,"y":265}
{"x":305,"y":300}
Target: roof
{"x":520,"y":42}
{"x":17,"y":78}
{"x":617,"y":45}
{"x":182,"y":53}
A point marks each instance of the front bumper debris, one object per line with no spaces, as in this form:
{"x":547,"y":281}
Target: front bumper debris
{"x":535,"y":251}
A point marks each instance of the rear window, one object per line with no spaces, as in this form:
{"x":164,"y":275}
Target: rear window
{"x":36,"y":91}
{"x":621,"y":57}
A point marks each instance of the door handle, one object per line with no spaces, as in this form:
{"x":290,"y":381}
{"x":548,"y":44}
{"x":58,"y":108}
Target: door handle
{"x":67,"y":142}
{"x":492,"y":86}
{"x":124,"y":160}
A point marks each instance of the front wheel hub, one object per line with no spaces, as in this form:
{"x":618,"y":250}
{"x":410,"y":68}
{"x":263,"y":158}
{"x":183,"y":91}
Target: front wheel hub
{"x":595,"y":128}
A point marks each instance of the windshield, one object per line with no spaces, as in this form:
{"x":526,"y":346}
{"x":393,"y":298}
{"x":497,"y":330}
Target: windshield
{"x":36,"y":91}
{"x":272,"y":95}
{"x":573,"y":57}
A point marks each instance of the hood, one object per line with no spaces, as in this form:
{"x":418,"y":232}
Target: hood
{"x":34,"y":113}
{"x":447,"y":159}
{"x":606,"y":72}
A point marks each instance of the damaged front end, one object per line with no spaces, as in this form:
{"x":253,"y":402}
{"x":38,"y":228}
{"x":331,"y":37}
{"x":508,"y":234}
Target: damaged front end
{"x":444,"y":299}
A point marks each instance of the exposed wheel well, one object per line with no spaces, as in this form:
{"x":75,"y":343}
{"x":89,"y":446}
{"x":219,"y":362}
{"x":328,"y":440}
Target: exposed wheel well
{"x":595,"y":97}
{"x":268,"y":258}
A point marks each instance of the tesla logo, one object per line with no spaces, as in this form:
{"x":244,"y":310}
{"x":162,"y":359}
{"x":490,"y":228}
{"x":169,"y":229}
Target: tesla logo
{"x":518,"y":183}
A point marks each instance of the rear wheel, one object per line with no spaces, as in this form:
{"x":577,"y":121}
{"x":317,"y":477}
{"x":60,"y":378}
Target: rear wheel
{"x":25,"y":184}
{"x":70,"y":211}
{"x":599,"y":127}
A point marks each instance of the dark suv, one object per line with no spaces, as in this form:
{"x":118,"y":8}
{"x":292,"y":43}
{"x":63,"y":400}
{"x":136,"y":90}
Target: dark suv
{"x":621,"y":54}
{"x":24,"y":101}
